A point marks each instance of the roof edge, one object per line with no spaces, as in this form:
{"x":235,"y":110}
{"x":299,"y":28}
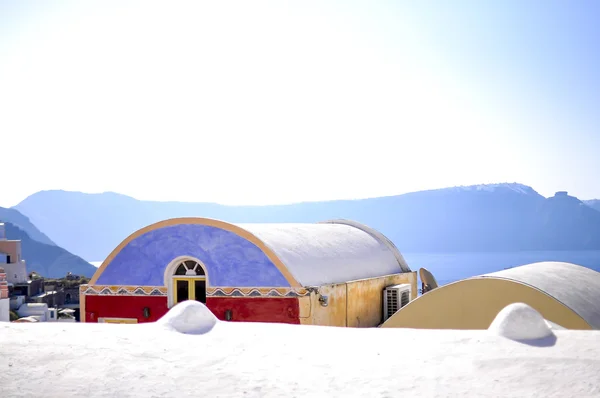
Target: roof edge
{"x":505,"y":278}
{"x":375,"y":234}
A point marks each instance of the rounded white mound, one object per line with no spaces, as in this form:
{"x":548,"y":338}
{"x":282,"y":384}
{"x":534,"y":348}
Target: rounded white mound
{"x":189,"y":317}
{"x":519,"y":321}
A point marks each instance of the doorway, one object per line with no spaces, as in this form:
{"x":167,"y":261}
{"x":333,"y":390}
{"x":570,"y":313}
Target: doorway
{"x":189,"y":289}
{"x":188,"y":282}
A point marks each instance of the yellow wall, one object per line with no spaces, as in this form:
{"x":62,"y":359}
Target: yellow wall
{"x":354,"y":304}
{"x":474,"y":303}
{"x":335,"y":312}
{"x":365,"y":298}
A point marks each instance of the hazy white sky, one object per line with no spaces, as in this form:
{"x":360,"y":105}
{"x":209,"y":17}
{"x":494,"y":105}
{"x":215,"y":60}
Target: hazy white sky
{"x":271,"y":102}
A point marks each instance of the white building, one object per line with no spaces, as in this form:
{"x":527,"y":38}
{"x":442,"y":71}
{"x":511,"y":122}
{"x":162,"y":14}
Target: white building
{"x":39,"y":311}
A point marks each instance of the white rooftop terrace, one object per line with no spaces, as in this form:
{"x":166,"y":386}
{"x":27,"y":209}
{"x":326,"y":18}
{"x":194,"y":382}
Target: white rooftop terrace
{"x":520,"y":355}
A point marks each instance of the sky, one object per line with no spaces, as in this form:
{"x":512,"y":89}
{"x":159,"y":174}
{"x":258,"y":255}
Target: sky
{"x":269,"y":102}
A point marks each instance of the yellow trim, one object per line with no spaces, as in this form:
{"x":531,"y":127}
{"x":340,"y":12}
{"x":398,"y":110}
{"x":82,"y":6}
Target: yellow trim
{"x":175,"y":295}
{"x":117,"y":320}
{"x":200,"y":221}
{"x":81,"y":304}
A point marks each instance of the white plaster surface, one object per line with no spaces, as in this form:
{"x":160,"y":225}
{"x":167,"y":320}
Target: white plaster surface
{"x":34,"y":309}
{"x":519,"y":321}
{"x":4,"y":310}
{"x":318,"y":254}
{"x":573,"y":285}
{"x":15,"y":272}
{"x":277,"y":360}
{"x":377,"y":235}
{"x":189,"y":317}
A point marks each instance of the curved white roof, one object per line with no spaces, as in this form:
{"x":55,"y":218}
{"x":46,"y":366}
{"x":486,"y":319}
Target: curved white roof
{"x":575,"y":286}
{"x":331,"y":252}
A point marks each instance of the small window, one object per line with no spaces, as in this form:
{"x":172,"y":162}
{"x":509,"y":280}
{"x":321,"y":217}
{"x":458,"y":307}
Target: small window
{"x":199,"y":270}
{"x":181,"y":270}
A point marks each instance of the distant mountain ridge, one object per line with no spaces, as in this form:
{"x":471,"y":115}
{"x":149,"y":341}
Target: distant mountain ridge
{"x":594,"y":203}
{"x":492,"y":217}
{"x":47,"y":260}
{"x":515,"y":187}
{"x":16,"y":218}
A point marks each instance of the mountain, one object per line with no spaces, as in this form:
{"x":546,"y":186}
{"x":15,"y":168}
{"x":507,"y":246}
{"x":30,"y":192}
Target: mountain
{"x":568,"y":223}
{"x":495,"y":217}
{"x":16,"y":218}
{"x":594,"y":203}
{"x":47,"y":260}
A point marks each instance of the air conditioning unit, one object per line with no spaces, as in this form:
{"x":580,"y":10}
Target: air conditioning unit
{"x":394,"y":298}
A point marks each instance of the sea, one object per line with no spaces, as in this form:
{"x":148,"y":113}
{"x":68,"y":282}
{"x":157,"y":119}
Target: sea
{"x":450,"y":267}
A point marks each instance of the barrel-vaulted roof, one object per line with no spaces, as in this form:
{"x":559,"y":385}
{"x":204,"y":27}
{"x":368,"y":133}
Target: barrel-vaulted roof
{"x":575,"y":286}
{"x":283,"y":254}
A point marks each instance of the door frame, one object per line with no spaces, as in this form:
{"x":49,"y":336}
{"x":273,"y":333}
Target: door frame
{"x":170,"y":278}
{"x":191,"y":280}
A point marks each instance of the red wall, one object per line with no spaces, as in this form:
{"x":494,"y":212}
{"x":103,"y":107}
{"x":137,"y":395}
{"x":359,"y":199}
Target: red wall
{"x":124,"y":307}
{"x":250,"y":309}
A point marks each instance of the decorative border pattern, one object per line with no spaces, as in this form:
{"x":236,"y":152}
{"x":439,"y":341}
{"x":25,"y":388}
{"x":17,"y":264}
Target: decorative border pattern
{"x":256,"y":292}
{"x":106,"y":290}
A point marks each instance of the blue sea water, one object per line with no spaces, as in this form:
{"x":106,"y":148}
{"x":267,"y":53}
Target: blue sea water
{"x":450,"y":267}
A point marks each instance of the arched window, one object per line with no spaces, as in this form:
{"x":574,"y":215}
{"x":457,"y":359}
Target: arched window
{"x":189,"y":268}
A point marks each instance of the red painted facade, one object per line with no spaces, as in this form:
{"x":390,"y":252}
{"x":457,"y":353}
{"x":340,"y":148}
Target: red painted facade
{"x":243,"y":309}
{"x":124,"y":307}
{"x":253,"y":309}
